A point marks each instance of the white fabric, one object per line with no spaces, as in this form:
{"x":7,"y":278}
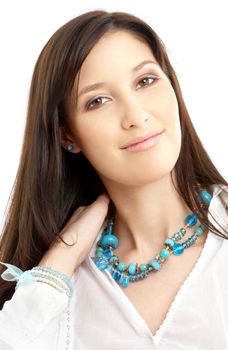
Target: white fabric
{"x":103,"y":318}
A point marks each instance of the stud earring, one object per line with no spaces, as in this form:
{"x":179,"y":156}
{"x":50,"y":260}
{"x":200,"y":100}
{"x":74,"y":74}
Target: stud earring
{"x":70,"y":147}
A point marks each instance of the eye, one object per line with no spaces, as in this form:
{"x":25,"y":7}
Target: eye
{"x":94,"y":103}
{"x":147,"y":81}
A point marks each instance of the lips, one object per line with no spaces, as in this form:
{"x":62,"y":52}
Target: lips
{"x":140,"y":139}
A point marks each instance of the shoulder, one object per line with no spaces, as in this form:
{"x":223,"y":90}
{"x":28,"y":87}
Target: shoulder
{"x":218,"y":207}
{"x":219,"y":189}
{"x":220,"y":196}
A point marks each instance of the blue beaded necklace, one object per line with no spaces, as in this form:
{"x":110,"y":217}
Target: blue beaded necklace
{"x":123,"y":274}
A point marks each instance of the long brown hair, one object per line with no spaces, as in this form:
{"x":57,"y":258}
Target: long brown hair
{"x":52,"y":183}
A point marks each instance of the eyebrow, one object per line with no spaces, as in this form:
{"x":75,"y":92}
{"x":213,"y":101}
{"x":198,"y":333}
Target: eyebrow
{"x":102,"y":84}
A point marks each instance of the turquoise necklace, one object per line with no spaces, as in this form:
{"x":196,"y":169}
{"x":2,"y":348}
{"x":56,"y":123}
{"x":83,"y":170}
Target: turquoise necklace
{"x":123,"y":274}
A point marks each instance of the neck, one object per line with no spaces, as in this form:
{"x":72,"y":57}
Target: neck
{"x":146,"y":215}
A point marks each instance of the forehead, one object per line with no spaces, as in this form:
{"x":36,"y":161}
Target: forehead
{"x":113,"y":52}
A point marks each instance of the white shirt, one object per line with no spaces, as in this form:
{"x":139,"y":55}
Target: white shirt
{"x":103,"y":318}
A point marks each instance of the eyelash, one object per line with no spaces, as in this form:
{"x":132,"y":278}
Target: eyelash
{"x":98,"y":98}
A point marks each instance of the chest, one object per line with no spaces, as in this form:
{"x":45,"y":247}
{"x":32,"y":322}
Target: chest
{"x":153,"y":296}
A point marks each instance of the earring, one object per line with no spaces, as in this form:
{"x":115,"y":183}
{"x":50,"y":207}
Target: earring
{"x":70,"y":147}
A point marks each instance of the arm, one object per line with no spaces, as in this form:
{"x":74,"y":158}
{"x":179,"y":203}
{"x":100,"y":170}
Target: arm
{"x":31,"y":310}
{"x":34,"y":312}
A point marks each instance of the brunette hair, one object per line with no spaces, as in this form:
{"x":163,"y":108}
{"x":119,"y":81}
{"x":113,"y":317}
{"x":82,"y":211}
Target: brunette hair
{"x":52,"y":183}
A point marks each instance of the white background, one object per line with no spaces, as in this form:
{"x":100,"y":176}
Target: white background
{"x":194,"y":32}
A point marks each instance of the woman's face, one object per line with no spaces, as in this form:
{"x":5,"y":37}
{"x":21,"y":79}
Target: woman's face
{"x":133,"y":98}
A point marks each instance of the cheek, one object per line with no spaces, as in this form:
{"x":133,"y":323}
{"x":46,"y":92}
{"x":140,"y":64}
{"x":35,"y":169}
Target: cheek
{"x":171,"y":123}
{"x":171,"y":114}
{"x":95,"y":140}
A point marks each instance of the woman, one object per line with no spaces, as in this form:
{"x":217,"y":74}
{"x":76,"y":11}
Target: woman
{"x":112,"y":173}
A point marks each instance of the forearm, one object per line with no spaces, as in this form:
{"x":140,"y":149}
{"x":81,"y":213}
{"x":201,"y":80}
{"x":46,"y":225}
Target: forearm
{"x":31,"y":309}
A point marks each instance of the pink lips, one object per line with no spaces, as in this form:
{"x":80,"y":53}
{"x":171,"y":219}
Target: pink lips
{"x":141,"y":143}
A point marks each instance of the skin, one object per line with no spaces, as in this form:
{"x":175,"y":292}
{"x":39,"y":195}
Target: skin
{"x":148,"y":208}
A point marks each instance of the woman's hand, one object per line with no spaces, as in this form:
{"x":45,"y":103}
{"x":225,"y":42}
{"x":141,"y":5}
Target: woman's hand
{"x":82,"y":230}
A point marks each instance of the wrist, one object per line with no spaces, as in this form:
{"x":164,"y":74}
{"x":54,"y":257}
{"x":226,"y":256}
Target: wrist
{"x":58,"y":263}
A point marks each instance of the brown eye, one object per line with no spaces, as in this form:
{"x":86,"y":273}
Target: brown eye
{"x":96,"y":102}
{"x":147,"y":81}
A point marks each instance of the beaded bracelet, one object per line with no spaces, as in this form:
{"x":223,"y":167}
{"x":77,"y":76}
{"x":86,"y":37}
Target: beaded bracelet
{"x":55,"y":278}
{"x":49,"y":277}
{"x":46,"y":274}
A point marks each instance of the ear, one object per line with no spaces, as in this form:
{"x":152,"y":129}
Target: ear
{"x":67,"y":139}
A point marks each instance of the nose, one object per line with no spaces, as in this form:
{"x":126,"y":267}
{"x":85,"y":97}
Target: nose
{"x":134,"y":115}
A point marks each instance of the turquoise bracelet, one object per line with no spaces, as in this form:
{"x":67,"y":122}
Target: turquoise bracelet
{"x":45,"y":274}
